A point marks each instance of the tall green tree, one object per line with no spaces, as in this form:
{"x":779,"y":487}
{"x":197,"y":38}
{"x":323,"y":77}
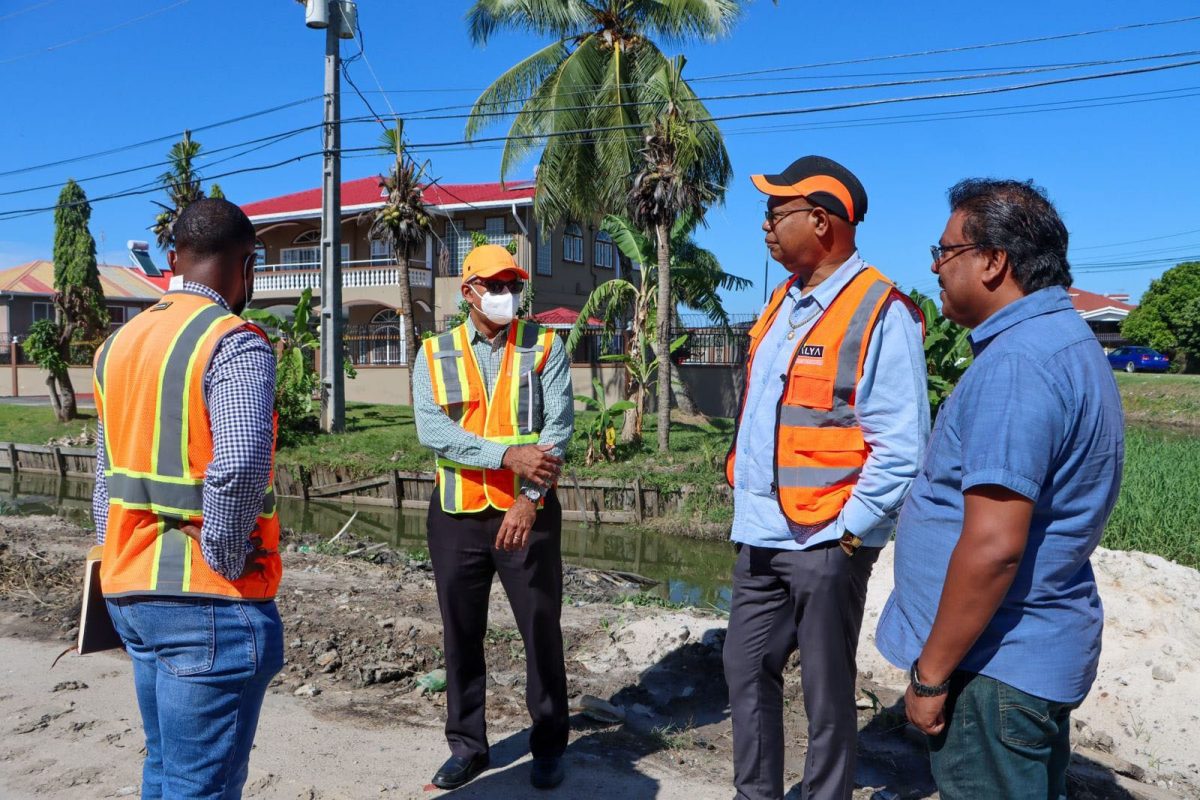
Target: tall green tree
{"x":685,"y":169}
{"x":625,"y":304}
{"x":1164,"y":319}
{"x":403,"y":222}
{"x":583,"y":95}
{"x":182,"y":184}
{"x":78,"y":298}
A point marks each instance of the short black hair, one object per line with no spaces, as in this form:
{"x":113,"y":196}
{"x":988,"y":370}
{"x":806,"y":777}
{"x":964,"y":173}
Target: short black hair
{"x":1018,"y":218}
{"x":212,"y":227}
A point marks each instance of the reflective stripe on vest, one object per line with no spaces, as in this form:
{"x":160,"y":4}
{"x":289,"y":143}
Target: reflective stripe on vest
{"x":506,"y":417}
{"x":149,"y":384}
{"x":820,"y":450}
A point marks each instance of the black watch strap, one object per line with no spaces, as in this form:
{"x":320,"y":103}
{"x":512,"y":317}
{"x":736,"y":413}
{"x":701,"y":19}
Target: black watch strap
{"x":924,"y":689}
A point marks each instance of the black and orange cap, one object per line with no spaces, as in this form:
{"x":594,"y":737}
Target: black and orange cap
{"x":823,"y":181}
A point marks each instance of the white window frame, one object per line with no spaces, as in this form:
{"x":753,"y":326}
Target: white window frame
{"x":573,"y":243}
{"x":115,"y":311}
{"x":307,"y":257}
{"x":604,"y":251}
{"x":381,"y":253}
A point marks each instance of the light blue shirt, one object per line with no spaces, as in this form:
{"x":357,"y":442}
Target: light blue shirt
{"x":1038,"y":413}
{"x":892,"y":406}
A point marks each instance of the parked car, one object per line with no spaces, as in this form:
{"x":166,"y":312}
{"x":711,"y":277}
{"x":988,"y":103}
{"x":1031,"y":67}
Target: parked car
{"x":1138,"y":359}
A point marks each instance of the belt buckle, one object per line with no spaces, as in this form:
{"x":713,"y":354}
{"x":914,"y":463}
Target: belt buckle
{"x":849,"y":544}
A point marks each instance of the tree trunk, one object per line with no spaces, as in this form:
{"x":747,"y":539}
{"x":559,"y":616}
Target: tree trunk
{"x":67,"y":393}
{"x":55,"y":402}
{"x":665,"y":317}
{"x":408,"y":327}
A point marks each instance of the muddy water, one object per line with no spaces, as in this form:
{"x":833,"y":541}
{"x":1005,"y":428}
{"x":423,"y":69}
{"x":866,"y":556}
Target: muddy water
{"x":688,"y":571}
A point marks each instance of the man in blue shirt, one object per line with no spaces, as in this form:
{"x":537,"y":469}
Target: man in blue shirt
{"x":830,"y":435}
{"x":995,"y":611}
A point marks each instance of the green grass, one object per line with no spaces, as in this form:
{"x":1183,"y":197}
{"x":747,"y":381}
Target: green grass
{"x":1159,"y":508}
{"x":1161,"y":399}
{"x":37,"y":425}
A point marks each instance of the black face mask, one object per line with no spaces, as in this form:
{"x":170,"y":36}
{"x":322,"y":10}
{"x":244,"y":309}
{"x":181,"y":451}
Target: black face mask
{"x":248,"y":293}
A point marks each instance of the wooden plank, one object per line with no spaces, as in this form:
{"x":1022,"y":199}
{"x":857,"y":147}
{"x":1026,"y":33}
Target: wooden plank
{"x":59,"y":461}
{"x":36,"y":449}
{"x":397,"y":490}
{"x":330,"y":489}
{"x":639,"y":512}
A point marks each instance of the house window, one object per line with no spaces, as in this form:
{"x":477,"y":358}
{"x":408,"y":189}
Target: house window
{"x":260,"y":252}
{"x":308,"y":237}
{"x":573,"y":243}
{"x":459,"y":243}
{"x":603,"y":251}
{"x":43,"y":311}
{"x":494,"y":226}
{"x":118,"y":315}
{"x":307,"y":257}
{"x":545,"y":257}
{"x":387,"y":345}
{"x":381,"y":253}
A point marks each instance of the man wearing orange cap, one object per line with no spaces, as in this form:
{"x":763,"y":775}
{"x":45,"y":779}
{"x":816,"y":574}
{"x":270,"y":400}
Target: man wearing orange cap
{"x":493,"y":400}
{"x":830,"y":433}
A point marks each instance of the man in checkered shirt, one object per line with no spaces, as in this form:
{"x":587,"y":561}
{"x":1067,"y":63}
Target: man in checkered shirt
{"x":202,"y":659}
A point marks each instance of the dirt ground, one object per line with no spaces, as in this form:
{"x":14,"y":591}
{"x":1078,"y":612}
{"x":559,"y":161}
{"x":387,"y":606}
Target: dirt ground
{"x":347,"y":718}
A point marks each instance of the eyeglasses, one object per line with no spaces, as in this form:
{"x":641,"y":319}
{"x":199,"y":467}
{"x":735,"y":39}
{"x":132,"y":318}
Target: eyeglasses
{"x":773,"y":219}
{"x":938,"y":251}
{"x":500,"y":287}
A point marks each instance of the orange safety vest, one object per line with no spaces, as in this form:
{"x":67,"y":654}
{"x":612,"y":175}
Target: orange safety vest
{"x":507,"y":416}
{"x":819,"y":446}
{"x":149,"y":385}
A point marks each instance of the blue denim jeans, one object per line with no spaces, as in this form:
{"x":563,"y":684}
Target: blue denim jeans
{"x":1000,"y":743}
{"x":201,"y":669}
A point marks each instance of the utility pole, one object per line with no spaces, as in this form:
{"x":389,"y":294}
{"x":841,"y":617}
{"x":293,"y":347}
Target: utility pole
{"x":333,"y":378}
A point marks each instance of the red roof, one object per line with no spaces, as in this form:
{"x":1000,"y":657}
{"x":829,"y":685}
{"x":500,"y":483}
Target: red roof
{"x":561,"y":316}
{"x":1085,"y":301}
{"x":366,"y":192}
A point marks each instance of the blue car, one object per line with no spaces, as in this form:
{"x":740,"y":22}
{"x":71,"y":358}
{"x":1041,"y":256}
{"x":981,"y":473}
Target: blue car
{"x":1138,"y":359}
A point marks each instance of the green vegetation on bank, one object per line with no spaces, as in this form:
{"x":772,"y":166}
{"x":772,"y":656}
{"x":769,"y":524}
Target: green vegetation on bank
{"x":1158,"y":511}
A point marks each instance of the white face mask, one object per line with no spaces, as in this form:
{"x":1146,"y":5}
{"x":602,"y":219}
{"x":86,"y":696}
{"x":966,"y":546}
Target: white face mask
{"x":499,"y":308}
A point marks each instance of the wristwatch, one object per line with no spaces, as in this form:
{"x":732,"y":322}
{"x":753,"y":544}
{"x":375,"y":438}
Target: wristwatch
{"x":923,"y":689}
{"x":533,"y":493}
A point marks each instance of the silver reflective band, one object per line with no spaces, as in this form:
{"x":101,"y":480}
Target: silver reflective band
{"x":811,"y":477}
{"x":841,"y":416}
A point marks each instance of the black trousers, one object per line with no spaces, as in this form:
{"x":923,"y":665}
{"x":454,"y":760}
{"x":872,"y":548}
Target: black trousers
{"x":462,"y":549}
{"x":784,"y":600}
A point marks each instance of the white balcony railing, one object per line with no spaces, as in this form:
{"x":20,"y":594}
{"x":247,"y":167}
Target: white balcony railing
{"x":363,"y":274}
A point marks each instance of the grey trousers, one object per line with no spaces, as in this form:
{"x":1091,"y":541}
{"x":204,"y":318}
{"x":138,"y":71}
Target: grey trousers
{"x":784,"y":600}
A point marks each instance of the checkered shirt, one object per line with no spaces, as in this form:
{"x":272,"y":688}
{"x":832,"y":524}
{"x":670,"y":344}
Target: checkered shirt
{"x":239,"y":389}
{"x":450,"y":440}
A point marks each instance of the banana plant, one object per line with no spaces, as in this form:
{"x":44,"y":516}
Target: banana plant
{"x":947,"y":351}
{"x":601,"y":431}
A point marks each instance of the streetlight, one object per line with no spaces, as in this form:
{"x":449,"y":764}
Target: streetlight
{"x":338,"y":18}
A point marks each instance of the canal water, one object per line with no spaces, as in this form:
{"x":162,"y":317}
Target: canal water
{"x":688,"y":571}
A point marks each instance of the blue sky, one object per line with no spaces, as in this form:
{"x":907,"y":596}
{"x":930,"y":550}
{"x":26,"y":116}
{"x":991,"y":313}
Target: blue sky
{"x":82,"y":77}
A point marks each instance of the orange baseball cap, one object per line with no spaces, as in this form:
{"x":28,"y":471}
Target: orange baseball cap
{"x":489,"y":260}
{"x":825,"y":183}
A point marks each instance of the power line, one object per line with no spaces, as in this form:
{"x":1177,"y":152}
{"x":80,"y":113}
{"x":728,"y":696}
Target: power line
{"x":943,"y":51}
{"x":94,"y":34}
{"x":159,"y":139}
{"x":27,"y":9}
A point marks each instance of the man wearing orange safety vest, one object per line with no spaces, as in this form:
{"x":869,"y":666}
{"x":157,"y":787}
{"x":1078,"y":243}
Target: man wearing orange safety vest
{"x":493,"y":399}
{"x":184,"y":509}
{"x":832,"y":425}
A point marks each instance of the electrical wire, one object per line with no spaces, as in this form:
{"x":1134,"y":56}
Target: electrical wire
{"x":27,"y":9}
{"x":94,"y":34}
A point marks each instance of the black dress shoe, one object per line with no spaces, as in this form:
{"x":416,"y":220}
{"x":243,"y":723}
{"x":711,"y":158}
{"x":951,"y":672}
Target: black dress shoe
{"x":458,"y":771}
{"x":547,"y":772}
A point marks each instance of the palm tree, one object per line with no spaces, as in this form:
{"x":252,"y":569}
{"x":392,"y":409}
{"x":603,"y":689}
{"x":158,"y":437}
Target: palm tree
{"x":685,"y":170}
{"x":698,"y":281}
{"x":182,"y":185}
{"x":583,"y":95}
{"x":403,"y":222}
